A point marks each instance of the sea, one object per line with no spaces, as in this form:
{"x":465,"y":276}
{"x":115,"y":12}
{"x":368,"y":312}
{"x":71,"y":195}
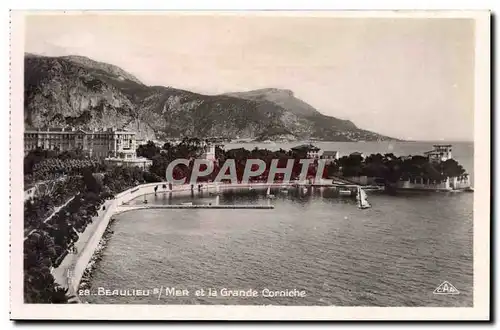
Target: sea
{"x":396,"y":253}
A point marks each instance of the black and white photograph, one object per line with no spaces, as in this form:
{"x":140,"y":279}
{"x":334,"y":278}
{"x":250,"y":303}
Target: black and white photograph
{"x":267,"y":160}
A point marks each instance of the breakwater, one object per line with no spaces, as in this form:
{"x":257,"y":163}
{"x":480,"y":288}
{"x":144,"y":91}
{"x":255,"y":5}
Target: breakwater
{"x":126,"y":208}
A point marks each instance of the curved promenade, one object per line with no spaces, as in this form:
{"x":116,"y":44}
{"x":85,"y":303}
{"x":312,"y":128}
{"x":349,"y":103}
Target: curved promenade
{"x":70,"y":271}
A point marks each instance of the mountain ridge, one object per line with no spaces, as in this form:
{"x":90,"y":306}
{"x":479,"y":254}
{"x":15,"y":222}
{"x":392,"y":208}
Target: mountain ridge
{"x":80,"y":92}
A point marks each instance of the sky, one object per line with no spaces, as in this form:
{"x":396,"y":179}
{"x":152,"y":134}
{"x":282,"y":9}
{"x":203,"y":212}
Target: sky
{"x":408,"y":78}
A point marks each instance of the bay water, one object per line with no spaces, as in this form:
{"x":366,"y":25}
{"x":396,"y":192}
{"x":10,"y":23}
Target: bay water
{"x":395,"y":253}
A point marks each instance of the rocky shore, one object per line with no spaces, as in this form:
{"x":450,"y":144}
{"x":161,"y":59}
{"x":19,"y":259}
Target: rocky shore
{"x":96,"y":257}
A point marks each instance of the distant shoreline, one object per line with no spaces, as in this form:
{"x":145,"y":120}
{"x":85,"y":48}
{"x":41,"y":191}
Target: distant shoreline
{"x":245,"y":141}
{"x":328,"y":141}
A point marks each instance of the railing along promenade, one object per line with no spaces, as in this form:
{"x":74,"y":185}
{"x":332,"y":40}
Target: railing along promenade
{"x":70,"y":271}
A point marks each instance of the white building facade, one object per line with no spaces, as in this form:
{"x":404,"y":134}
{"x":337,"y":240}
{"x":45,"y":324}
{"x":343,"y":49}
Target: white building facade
{"x":441,"y":152}
{"x":116,"y":147}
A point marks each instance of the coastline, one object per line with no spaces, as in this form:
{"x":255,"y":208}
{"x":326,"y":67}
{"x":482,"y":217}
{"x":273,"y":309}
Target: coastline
{"x":92,"y":241}
{"x":96,"y":257}
{"x":71,"y":271}
{"x":153,"y":239}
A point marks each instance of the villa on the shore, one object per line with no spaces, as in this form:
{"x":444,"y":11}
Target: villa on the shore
{"x":418,"y":183}
{"x":316,"y":153}
{"x":441,"y":152}
{"x":330,"y":156}
{"x":311,"y":150}
{"x":453,"y":183}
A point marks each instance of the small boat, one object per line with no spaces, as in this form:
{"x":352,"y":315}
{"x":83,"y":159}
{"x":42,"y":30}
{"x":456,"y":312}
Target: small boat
{"x":284,"y":190}
{"x":304,"y":189}
{"x":268,"y":193}
{"x":187,"y":203}
{"x":250,"y":188}
{"x":361,"y":197}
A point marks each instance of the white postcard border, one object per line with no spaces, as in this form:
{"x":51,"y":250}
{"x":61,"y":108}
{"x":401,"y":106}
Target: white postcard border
{"x":482,"y":157}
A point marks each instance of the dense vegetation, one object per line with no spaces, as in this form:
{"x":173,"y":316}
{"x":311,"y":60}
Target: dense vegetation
{"x":48,"y":242}
{"x":192,"y":148}
{"x":42,"y":164}
{"x":39,"y":284}
{"x":392,"y":169}
{"x":52,"y":240}
{"x":40,"y":207}
{"x":388,"y":168}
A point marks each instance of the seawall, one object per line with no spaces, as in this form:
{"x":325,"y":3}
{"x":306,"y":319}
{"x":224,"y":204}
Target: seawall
{"x":83,"y":258}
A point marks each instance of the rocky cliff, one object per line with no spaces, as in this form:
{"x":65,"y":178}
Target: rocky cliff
{"x":79,"y":92}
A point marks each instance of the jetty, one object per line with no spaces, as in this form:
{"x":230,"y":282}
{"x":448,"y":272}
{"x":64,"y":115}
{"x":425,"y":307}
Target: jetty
{"x":69,"y":273}
{"x":125,"y":208}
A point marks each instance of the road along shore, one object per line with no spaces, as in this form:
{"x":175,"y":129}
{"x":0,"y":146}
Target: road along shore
{"x":69,"y":273}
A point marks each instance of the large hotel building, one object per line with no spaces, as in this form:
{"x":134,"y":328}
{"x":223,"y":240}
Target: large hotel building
{"x":115,"y":146}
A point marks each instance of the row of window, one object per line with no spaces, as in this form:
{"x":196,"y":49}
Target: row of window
{"x":73,"y":136}
{"x":62,"y":137}
{"x":53,"y":136}
{"x":30,"y":144}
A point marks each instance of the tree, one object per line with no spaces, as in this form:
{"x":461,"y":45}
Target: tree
{"x":452,"y":168}
{"x":376,"y":158}
{"x":375,"y":169}
{"x":149,"y":150}
{"x":91,"y":183}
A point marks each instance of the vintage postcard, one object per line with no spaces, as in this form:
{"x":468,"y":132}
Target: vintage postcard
{"x":250,"y":165}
